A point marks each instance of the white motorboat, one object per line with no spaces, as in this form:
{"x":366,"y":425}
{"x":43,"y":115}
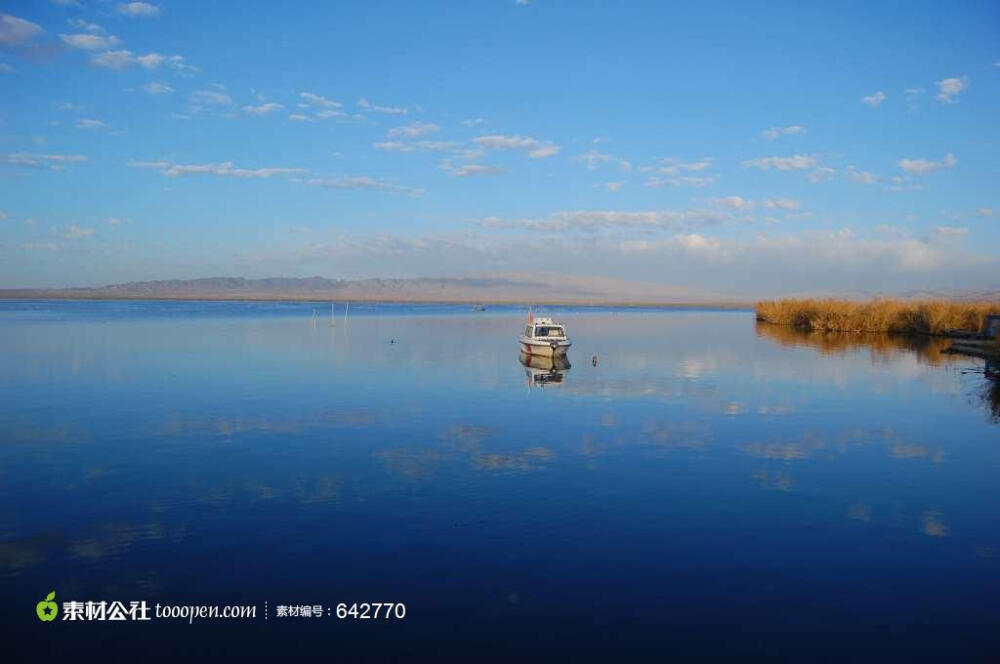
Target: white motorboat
{"x":544,"y":337}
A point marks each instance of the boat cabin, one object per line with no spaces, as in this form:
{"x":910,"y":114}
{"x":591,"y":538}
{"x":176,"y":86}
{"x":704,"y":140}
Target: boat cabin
{"x":544,"y":328}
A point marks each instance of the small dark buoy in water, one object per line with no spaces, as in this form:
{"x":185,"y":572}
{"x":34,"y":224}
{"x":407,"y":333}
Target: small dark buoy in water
{"x":392,"y":341}
{"x":594,"y":361}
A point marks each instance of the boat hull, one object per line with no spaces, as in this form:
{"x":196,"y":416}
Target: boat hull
{"x":544,"y":349}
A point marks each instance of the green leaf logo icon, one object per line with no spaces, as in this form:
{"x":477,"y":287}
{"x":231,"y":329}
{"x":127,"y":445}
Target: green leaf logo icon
{"x":47,"y":610}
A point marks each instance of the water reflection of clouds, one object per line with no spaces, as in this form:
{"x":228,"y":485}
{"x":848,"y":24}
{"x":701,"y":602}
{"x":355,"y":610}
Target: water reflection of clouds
{"x":227,"y":427}
{"x":777,"y":480}
{"x":934,"y":525}
{"x":807,"y":443}
{"x":468,"y":442}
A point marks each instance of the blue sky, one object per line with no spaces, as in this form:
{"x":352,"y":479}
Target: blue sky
{"x":739,"y":149}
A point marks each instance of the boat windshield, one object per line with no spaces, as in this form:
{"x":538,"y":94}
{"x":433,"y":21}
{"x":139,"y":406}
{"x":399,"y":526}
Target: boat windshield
{"x":549,"y":332}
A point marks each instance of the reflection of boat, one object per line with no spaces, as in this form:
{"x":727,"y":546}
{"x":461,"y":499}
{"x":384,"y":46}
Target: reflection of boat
{"x":542,"y":371}
{"x":543,"y":337}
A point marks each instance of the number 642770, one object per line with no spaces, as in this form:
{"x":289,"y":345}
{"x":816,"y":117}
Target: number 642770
{"x":371,"y":611}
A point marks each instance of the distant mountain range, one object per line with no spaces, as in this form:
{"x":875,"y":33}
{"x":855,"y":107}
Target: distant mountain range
{"x":518,"y":288}
{"x":507,"y":288}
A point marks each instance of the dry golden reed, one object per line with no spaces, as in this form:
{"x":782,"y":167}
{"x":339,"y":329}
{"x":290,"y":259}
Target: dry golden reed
{"x":897,"y":316}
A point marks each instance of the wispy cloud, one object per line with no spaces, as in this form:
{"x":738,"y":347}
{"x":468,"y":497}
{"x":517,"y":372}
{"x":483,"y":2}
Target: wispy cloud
{"x":211,"y":98}
{"x":364,"y":182}
{"x":822,"y":174}
{"x":781,"y":203}
{"x":156,"y":88}
{"x":312,"y":99}
{"x":413,"y":130}
{"x":925,"y":166}
{"x":263,"y":109}
{"x":733,"y":202}
{"x":594,"y":158}
{"x":416,"y":146}
{"x":224,"y":169}
{"x":123,"y":59}
{"x":874,"y":100}
{"x":80,"y":24}
{"x":533,"y":147}
{"x":89,"y":41}
{"x":792,"y":163}
{"x":470,"y":170}
{"x":597,"y":220}
{"x":859,"y":176}
{"x":949,"y":88}
{"x":138,"y":9}
{"x":74,"y":232}
{"x":52,"y":162}
{"x":15,"y":31}
{"x":775,"y":133}
{"x":90,"y":123}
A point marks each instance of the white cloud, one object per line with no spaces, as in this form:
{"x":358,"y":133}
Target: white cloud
{"x":89,"y":42}
{"x":391,"y":110}
{"x":413,"y":130}
{"x":672,"y":166}
{"x":415,"y":146}
{"x":157,"y":88}
{"x":113,"y":221}
{"x":211,"y":97}
{"x":74,"y":232}
{"x":15,"y":31}
{"x":123,"y":58}
{"x":5,"y":68}
{"x":775,"y":133}
{"x":613,"y":186}
{"x":262,"y":109}
{"x":225,"y":169}
{"x":822,"y":174}
{"x":781,"y":203}
{"x":138,"y":9}
{"x":80,"y":24}
{"x":471,"y":170}
{"x":925,"y":166}
{"x":327,"y":113}
{"x":313,"y":99}
{"x":534,"y":148}
{"x":298,"y":117}
{"x":52,"y":162}
{"x":946,"y":233}
{"x":949,"y":88}
{"x":364,"y":182}
{"x":861,"y":177}
{"x":474,"y":122}
{"x":986,"y":211}
{"x":733,"y":202}
{"x":114,"y":59}
{"x":874,"y":100}
{"x":795,"y":162}
{"x":598,"y":220}
{"x":89,"y":123}
{"x":681,"y":181}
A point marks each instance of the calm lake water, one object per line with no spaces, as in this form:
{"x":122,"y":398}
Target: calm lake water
{"x":710,"y":487}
